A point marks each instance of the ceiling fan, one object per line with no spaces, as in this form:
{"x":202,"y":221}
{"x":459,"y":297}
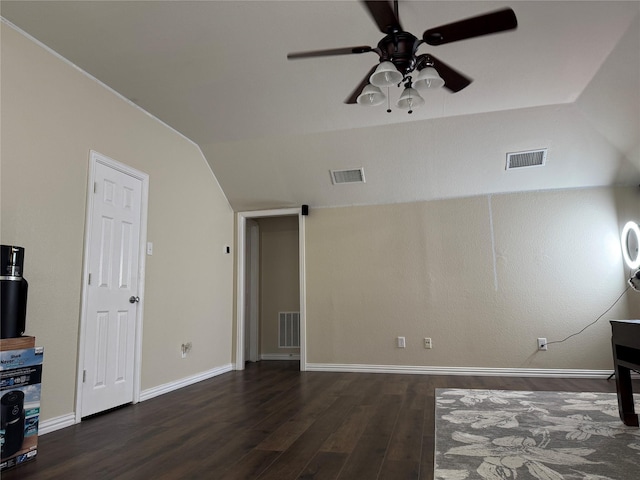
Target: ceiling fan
{"x":398,"y":56}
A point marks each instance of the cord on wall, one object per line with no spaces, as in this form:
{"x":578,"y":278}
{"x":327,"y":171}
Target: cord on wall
{"x":592,"y":323}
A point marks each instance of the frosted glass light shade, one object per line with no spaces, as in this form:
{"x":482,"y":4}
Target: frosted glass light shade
{"x":410,"y":98}
{"x":371,"y":96}
{"x":428,"y":77}
{"x":386,"y":75}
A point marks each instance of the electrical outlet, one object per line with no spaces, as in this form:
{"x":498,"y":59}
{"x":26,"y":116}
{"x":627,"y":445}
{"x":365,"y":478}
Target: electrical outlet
{"x":542,"y":344}
{"x":400,"y":342}
{"x":427,"y":343}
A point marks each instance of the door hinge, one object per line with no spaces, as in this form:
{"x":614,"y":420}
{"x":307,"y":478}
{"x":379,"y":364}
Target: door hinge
{"x":89,"y":282}
{"x":84,"y":376}
{"x":95,"y":187}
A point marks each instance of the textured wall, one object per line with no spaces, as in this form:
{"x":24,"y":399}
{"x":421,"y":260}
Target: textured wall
{"x":52,"y":116}
{"x":483,"y":276}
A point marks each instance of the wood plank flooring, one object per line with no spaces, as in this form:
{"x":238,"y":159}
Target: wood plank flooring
{"x":270,"y":422}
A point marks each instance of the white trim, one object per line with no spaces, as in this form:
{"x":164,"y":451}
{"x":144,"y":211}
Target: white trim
{"x":302,"y":219}
{"x":465,"y":371}
{"x":184,"y":382}
{"x":253,"y":236}
{"x":94,"y":158}
{"x":56,"y":423}
{"x":279,"y":356}
{"x":240,"y":269}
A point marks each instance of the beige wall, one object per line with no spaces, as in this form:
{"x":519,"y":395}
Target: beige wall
{"x":484,"y":277}
{"x":52,"y":116}
{"x":279,"y":278}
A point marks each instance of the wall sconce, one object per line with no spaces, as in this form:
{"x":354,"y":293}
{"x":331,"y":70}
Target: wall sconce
{"x":629,"y":240}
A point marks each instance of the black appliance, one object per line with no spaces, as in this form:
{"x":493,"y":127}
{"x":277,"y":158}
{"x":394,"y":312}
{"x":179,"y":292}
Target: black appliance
{"x":12,"y":422}
{"x":13,"y":303}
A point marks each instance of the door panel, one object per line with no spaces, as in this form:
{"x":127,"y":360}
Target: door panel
{"x":113,"y":271}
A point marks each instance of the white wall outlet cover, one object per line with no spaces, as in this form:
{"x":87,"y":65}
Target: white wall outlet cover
{"x":401,"y":342}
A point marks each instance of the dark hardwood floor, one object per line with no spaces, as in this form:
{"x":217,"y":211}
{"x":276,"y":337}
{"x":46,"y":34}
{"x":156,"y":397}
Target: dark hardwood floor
{"x":270,"y":422}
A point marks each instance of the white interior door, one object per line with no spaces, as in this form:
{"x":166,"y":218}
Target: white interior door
{"x":112,"y":293}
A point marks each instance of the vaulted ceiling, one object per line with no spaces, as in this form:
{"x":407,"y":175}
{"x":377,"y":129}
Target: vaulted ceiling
{"x":568,"y":79}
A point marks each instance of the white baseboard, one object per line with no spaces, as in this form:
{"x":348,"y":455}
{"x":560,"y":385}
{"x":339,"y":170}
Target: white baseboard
{"x":471,"y":371}
{"x":63,"y":421}
{"x":280,"y":356}
{"x":183,"y":382}
{"x":56,"y":423}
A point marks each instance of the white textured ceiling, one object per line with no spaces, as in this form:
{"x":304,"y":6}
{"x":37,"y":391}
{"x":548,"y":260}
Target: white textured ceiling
{"x":216,"y":71}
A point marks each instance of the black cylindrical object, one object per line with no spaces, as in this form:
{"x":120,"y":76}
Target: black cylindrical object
{"x":12,"y":405}
{"x":13,"y":286}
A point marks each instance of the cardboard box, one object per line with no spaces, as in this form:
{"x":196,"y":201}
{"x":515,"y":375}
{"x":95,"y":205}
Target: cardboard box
{"x":20,"y":382}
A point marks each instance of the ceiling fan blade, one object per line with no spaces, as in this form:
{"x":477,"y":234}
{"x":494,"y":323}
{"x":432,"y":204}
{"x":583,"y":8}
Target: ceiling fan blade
{"x":383,"y":15}
{"x":354,"y":95}
{"x":453,"y":80}
{"x":472,"y":27}
{"x":330,"y":52}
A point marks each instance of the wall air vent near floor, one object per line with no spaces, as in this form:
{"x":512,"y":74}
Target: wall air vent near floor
{"x":289,"y":330}
{"x":530,"y":158}
{"x":355,"y":175}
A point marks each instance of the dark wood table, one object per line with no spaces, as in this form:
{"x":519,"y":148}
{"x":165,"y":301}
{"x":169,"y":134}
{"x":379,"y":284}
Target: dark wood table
{"x":625,"y":341}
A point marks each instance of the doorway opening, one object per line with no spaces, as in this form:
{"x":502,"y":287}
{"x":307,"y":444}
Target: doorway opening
{"x":249,"y":308}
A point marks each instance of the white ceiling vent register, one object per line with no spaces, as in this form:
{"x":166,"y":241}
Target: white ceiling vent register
{"x":355,"y":175}
{"x":531,"y":158}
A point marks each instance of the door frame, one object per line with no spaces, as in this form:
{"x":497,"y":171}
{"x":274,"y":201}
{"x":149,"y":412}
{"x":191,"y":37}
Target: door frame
{"x":240,"y":286}
{"x":252,"y":336}
{"x":95,"y":158}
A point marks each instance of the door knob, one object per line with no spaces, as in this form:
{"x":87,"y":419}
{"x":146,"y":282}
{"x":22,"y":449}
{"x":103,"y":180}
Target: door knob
{"x":134,"y":299}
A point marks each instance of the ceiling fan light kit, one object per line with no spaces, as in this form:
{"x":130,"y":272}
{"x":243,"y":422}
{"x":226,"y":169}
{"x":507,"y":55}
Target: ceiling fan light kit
{"x":428,"y":77}
{"x":386,"y":75}
{"x":410,"y":98}
{"x":398,"y":56}
{"x":371,"y":96}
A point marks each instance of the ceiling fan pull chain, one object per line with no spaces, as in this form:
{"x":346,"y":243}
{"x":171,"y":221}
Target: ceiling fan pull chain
{"x":388,"y":101}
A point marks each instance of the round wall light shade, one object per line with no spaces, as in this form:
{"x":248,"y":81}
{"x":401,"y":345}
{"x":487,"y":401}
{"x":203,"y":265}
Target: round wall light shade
{"x":629,"y":240}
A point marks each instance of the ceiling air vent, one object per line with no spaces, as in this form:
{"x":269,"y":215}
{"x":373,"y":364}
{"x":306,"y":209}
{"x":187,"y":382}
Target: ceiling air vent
{"x":347,"y":176}
{"x":531,"y":158}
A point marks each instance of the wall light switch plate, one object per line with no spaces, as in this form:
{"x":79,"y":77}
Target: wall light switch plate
{"x":149,"y":248}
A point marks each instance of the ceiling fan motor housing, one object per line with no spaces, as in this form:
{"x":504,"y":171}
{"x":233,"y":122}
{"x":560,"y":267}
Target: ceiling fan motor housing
{"x":400,"y":48}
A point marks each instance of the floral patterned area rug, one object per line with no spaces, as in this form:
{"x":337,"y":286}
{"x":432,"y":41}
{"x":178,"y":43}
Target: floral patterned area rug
{"x":499,"y":435}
